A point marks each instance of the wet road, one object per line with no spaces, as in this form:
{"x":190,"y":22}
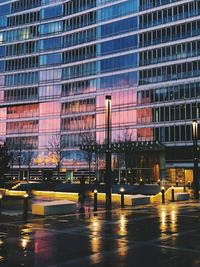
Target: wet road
{"x":158,"y":236}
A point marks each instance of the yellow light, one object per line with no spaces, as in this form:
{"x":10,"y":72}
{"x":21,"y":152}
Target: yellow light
{"x":122,"y":189}
{"x":123,"y":222}
{"x":173,"y":216}
{"x":25,"y":241}
{"x":95,"y":191}
{"x":1,"y":196}
{"x":26,"y":195}
{"x":172,"y":187}
{"x":194,"y":129}
{"x":163,"y":217}
{"x":162,"y":188}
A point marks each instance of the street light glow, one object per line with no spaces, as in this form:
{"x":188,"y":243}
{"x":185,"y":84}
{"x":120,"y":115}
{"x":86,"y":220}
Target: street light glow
{"x":194,"y":129}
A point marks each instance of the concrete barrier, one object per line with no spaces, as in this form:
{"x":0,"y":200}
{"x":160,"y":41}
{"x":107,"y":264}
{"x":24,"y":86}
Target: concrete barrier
{"x":53,"y":207}
{"x":182,"y":196}
{"x":140,"y":200}
{"x":133,"y":200}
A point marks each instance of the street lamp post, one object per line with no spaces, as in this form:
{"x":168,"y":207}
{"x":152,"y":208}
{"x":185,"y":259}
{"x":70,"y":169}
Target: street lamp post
{"x":195,"y":158}
{"x":108,"y":154}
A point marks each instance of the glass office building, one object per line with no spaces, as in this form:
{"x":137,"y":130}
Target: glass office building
{"x":58,"y":60}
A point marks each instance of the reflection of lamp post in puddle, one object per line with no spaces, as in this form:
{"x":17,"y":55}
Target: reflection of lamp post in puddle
{"x":95,"y":240}
{"x":122,"y":231}
{"x":173,"y":224}
{"x":123,"y":222}
{"x":163,"y":220}
{"x":122,"y":197}
{"x":25,"y":241}
{"x":25,"y":207}
{"x":95,"y":199}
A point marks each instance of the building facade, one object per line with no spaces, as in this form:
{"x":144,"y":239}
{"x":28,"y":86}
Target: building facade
{"x":169,"y":87}
{"x":58,"y":60}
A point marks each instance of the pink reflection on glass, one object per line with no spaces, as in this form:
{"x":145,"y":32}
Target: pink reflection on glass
{"x":124,"y":114}
{"x":50,"y":108}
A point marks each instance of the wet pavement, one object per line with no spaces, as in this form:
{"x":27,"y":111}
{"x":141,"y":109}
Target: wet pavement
{"x":158,"y":236}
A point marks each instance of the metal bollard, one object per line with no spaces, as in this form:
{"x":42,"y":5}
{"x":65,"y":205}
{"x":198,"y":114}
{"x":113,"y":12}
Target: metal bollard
{"x":95,"y":199}
{"x":163,"y":194}
{"x":122,"y":197}
{"x":0,"y":203}
{"x":172,"y":190}
{"x":25,"y":207}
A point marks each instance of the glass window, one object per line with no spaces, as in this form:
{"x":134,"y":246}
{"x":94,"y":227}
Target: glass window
{"x":50,"y":43}
{"x":114,"y":11}
{"x":54,"y":27}
{"x":2,"y":65}
{"x":3,"y":22}
{"x":2,"y":51}
{"x":5,"y":9}
{"x":172,"y":133}
{"x":51,"y":12}
{"x":117,"y":27}
{"x":48,"y":75}
{"x":118,"y":45}
{"x":51,"y":59}
{"x":177,"y":133}
{"x":117,"y":63}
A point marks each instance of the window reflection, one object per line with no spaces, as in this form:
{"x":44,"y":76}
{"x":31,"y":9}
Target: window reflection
{"x":24,"y":111}
{"x":123,"y":114}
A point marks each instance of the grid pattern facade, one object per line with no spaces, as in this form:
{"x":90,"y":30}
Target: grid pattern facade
{"x":58,"y":60}
{"x":168,"y":94}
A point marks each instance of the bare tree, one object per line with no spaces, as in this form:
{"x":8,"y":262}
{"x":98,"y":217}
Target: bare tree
{"x":56,"y":146}
{"x":18,"y":155}
{"x":126,"y":155}
{"x":29,"y":159}
{"x":88,"y":140}
{"x":4,"y":160}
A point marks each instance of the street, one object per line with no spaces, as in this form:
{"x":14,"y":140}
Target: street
{"x":160,"y":236}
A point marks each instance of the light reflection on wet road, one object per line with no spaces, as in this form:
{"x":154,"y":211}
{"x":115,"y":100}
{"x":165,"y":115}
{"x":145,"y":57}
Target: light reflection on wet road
{"x":164,"y":236}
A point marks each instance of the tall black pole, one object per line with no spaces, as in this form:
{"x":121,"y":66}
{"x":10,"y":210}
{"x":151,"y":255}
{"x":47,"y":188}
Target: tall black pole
{"x":108,"y":154}
{"x":0,"y":203}
{"x":195,"y":158}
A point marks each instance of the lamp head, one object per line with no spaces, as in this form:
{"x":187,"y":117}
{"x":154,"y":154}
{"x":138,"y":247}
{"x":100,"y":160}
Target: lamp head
{"x":108,"y":97}
{"x":194,"y":128}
